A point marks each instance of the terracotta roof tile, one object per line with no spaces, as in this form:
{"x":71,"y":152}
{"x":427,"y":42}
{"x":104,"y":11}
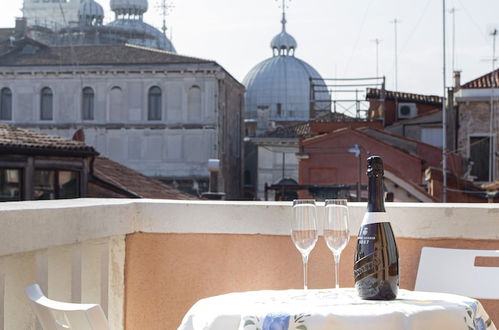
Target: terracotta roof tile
{"x":289,"y":132}
{"x":303,"y":130}
{"x":375,"y":93}
{"x":489,"y":80}
{"x":18,"y":140}
{"x":134,"y":182}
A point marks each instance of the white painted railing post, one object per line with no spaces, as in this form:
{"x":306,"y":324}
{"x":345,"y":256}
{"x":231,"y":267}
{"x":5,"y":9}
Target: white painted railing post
{"x":116,"y":282}
{"x":104,"y":276}
{"x":76,"y":273}
{"x":42,"y":274}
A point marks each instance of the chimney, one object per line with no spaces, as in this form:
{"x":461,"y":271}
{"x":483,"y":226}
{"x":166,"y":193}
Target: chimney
{"x":262,"y":118}
{"x":457,"y":79}
{"x":21,"y":24}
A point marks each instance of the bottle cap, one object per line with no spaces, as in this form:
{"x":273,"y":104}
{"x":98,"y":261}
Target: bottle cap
{"x":375,"y":166}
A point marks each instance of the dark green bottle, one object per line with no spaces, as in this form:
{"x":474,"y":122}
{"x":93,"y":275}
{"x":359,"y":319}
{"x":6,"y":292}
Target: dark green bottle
{"x":376,"y":266}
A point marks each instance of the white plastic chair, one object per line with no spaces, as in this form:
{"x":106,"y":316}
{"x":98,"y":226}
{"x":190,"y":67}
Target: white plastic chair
{"x":56,"y":315}
{"x":454,"y":271}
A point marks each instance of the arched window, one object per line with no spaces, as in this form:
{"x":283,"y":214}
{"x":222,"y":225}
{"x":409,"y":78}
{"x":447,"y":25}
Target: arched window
{"x":87,"y":104}
{"x":46,"y":104}
{"x":194,"y":104}
{"x":5,"y":104}
{"x":154,"y":103}
{"x":116,"y":109}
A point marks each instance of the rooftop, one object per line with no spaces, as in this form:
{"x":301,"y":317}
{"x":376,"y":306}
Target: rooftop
{"x":17,"y":140}
{"x":118,"y":54}
{"x":136,"y":184}
{"x":489,"y":80}
{"x":375,"y":93}
{"x":305,"y":130}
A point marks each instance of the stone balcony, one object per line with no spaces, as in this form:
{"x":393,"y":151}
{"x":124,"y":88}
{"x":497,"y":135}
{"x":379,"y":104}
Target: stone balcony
{"x":147,"y":261}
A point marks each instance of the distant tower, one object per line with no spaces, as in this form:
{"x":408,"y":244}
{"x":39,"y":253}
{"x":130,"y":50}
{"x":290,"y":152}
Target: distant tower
{"x":278,"y":89}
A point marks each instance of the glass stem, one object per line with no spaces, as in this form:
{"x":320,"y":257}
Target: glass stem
{"x":337,"y":269}
{"x":305,"y":262}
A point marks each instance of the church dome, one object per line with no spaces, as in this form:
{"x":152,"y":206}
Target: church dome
{"x":90,"y":13}
{"x":129,"y":7}
{"x":129,"y":23}
{"x":281,"y":84}
{"x":142,"y":34}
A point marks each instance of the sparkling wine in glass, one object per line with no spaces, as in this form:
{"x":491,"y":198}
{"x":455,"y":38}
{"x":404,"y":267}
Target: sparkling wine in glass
{"x":304,"y":230}
{"x":336,"y":231}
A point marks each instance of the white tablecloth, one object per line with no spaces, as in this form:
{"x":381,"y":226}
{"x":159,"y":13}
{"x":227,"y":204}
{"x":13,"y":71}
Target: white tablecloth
{"x":335,"y":309}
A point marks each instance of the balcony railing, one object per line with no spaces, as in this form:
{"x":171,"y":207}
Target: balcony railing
{"x":147,"y":261}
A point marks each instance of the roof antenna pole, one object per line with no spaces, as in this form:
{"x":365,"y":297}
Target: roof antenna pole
{"x":492,"y":96}
{"x":452,"y":11}
{"x":444,"y":115}
{"x":395,"y":23}
{"x":377,"y":42}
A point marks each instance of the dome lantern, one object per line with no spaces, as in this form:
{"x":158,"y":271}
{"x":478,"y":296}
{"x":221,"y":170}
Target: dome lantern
{"x":283,"y":43}
{"x":129,"y":14}
{"x":90,"y":13}
{"x":129,"y":8}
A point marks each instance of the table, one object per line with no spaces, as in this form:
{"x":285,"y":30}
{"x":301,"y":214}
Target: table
{"x":335,"y":309}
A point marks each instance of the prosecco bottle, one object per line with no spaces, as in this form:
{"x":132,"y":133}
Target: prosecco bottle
{"x":376,"y":266}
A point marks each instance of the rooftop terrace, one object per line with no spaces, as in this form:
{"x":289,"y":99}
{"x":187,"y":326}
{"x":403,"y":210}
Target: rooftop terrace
{"x":147,"y":261}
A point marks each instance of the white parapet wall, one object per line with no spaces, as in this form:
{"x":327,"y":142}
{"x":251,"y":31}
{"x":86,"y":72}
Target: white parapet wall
{"x":75,"y":249}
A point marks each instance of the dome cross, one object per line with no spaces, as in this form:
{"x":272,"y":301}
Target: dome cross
{"x":283,"y":44}
{"x":283,"y":21}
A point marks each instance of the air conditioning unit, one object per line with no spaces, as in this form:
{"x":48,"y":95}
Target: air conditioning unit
{"x":407,"y":110}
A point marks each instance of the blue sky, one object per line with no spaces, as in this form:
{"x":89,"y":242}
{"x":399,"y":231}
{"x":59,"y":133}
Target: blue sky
{"x":336,"y":37}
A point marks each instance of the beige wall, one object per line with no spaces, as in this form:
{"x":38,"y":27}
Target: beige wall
{"x":165,"y":274}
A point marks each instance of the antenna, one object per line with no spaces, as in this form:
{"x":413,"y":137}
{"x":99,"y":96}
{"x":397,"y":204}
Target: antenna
{"x":166,"y":9}
{"x":395,"y":22}
{"x":377,"y":42}
{"x":444,"y":108}
{"x":493,"y":34}
{"x":452,"y":11}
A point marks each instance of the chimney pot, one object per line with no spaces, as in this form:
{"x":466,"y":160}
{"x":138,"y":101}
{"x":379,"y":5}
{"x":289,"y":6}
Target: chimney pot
{"x":20,"y":28}
{"x":457,"y":79}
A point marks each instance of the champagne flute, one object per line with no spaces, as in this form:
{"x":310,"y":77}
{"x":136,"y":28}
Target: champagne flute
{"x":304,"y":230}
{"x":336,"y":232}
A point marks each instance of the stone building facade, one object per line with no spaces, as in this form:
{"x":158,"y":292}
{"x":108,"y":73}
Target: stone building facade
{"x":476,"y":104}
{"x":156,"y":112}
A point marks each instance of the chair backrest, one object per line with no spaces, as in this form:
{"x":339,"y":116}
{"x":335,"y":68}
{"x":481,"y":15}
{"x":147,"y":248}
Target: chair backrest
{"x":454,"y":271}
{"x":57,"y":315}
